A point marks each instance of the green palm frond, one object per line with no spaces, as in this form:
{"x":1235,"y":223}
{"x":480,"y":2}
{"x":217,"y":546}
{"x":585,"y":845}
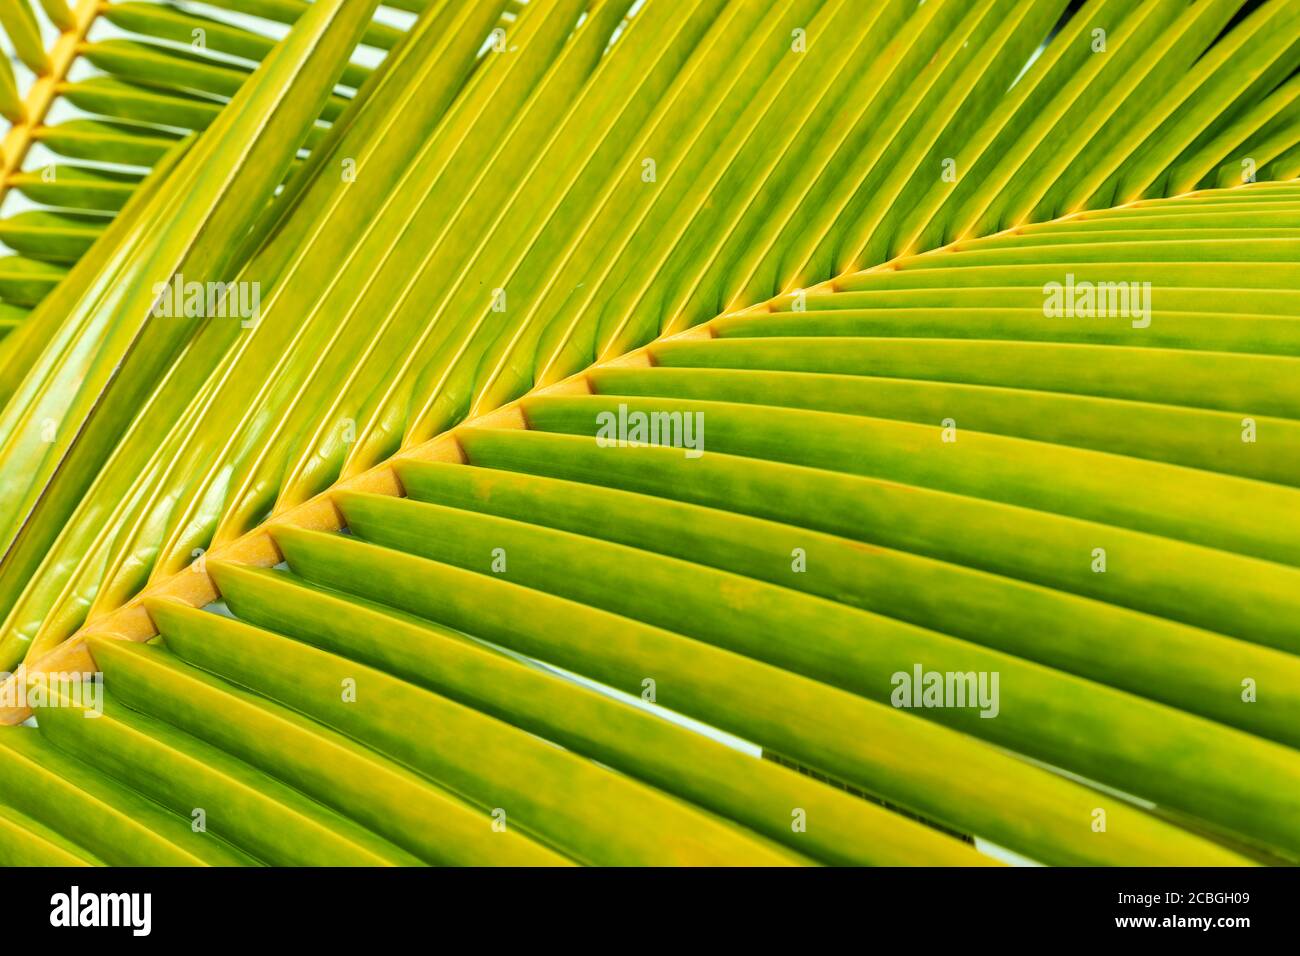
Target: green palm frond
{"x":120,"y":85}
{"x":976,"y":329}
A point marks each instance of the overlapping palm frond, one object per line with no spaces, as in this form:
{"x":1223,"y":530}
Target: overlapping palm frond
{"x":121,"y":84}
{"x":847,"y":243}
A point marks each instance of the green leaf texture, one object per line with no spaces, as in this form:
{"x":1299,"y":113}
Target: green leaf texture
{"x":969,"y":334}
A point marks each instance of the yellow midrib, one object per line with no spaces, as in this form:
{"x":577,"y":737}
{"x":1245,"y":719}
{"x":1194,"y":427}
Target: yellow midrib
{"x":43,"y":93}
{"x":194,"y":586}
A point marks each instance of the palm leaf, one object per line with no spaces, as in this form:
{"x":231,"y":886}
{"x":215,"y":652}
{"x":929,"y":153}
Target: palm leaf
{"x":404,"y":603}
{"x":122,"y":80}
